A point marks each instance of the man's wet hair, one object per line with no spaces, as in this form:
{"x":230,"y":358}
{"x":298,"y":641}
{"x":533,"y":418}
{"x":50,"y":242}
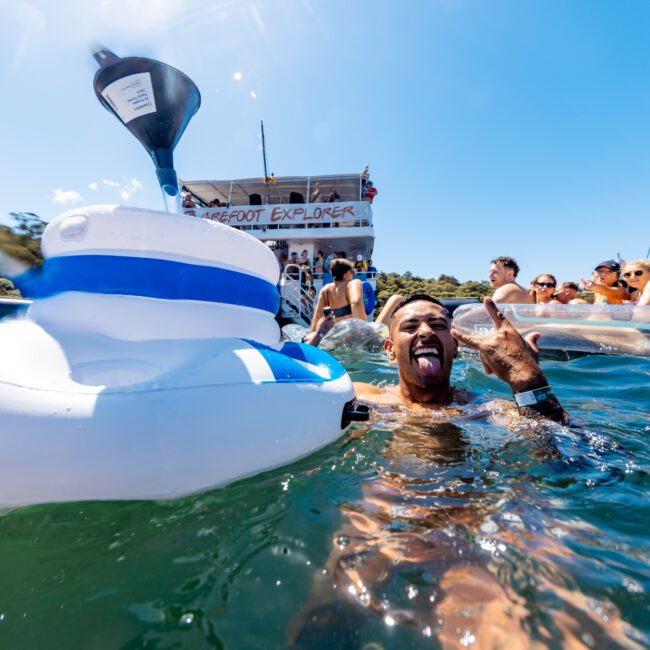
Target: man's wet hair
{"x":568,"y":285}
{"x":507,"y":262}
{"x":417,"y":297}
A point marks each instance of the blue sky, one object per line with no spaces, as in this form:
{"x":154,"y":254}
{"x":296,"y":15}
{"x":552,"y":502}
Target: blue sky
{"x":491,"y":127}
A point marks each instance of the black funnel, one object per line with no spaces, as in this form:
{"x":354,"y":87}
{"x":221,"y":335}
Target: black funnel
{"x":155,"y":102}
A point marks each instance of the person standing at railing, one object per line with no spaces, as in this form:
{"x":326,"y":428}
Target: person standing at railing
{"x":344,"y":296}
{"x":317,"y":194}
{"x":370,"y":193}
{"x":318,"y":264}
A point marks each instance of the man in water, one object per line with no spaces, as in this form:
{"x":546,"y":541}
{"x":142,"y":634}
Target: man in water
{"x":567,"y":294}
{"x":418,"y":518}
{"x":423,"y":344}
{"x":503,"y":271}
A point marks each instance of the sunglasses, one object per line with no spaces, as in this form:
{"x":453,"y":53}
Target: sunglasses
{"x":550,"y":285}
{"x":629,"y":274}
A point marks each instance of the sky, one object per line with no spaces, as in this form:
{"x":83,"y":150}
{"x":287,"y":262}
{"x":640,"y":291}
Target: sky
{"x":491,"y":127}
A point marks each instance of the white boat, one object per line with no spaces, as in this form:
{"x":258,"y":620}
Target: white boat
{"x":280,"y":214}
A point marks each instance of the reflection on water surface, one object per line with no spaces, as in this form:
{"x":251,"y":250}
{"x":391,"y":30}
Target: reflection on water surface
{"x":410,"y":532}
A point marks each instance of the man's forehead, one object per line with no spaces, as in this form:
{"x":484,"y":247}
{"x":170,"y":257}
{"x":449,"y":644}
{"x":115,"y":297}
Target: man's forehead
{"x":422,"y":309}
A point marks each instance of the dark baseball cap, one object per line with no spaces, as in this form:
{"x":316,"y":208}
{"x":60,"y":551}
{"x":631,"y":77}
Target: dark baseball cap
{"x":612,"y":265}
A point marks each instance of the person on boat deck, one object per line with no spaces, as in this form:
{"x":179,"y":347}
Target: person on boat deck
{"x":317,"y":194}
{"x":606,"y":284}
{"x":328,"y":261}
{"x":503,"y":271}
{"x":637,"y":276}
{"x":318,"y":264}
{"x":542,"y":288}
{"x":304,"y":259}
{"x":370,"y":193}
{"x":334,"y":196}
{"x":188,"y":201}
{"x":372,"y":271}
{"x":360,"y":266}
{"x":567,"y":294}
{"x":293,"y":273}
{"x":344,"y":297}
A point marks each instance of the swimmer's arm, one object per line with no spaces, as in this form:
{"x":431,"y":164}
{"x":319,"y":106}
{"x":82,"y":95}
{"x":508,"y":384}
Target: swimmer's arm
{"x":355,"y":294}
{"x":611,"y":293}
{"x":514,"y":360}
{"x":318,"y":312}
{"x":323,"y":326}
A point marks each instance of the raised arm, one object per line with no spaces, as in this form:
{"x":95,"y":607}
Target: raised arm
{"x":514,"y":360}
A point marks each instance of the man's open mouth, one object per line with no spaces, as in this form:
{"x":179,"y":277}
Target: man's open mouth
{"x":428,"y":359}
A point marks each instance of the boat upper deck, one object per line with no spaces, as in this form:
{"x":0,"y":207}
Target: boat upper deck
{"x":286,"y":203}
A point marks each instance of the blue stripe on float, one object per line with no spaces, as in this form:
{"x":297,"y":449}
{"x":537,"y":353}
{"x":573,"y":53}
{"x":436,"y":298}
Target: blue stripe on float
{"x":147,"y":277}
{"x":286,"y":367}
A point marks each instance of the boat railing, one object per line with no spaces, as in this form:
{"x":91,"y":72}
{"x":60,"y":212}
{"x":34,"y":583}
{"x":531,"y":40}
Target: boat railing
{"x":296,"y":296}
{"x":350,"y":214}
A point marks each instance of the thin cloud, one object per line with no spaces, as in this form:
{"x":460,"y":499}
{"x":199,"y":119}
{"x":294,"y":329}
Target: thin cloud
{"x":129,"y":188}
{"x":109,"y":183}
{"x":64,"y":197}
{"x":94,"y":186}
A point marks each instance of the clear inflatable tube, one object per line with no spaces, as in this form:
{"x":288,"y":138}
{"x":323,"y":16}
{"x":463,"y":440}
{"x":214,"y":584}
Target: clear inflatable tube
{"x":594,"y":329}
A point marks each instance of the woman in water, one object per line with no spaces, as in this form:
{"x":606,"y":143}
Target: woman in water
{"x":344,"y":296}
{"x":542,"y":288}
{"x":637,"y":276}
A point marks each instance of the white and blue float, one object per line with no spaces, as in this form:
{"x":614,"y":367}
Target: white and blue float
{"x":148,"y":365}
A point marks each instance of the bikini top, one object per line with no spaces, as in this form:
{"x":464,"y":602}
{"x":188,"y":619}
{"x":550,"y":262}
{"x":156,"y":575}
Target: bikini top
{"x":339,"y":312}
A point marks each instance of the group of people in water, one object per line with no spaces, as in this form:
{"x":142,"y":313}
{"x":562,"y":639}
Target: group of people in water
{"x":612,"y":283}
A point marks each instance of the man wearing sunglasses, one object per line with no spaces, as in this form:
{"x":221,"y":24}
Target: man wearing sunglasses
{"x":606,"y":284}
{"x":502,"y":274}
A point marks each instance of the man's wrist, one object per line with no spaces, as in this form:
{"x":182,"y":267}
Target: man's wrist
{"x":531,"y":382}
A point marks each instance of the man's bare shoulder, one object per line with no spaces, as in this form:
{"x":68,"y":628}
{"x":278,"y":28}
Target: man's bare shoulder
{"x":511,"y":293}
{"x":375,"y":394}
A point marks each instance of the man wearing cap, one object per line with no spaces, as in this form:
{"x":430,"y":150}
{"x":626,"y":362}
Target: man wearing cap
{"x":360,"y":266}
{"x":606,"y":284}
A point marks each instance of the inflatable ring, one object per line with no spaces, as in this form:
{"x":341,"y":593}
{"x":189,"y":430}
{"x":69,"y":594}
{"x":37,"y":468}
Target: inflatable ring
{"x":369,"y":299}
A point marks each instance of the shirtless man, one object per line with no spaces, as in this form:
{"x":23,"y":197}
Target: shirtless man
{"x":567,"y":294}
{"x":605,"y":284}
{"x":398,"y":527}
{"x":502,"y":276}
{"x":423,"y":344}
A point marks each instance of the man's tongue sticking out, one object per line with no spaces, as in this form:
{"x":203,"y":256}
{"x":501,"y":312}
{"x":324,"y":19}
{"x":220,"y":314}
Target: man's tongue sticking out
{"x":428,"y":365}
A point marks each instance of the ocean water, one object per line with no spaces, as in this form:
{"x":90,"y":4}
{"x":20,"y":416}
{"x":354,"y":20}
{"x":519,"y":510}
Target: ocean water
{"x":409,"y":532}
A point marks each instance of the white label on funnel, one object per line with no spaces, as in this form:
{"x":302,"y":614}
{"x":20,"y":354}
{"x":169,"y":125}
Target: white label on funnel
{"x":131,"y":96}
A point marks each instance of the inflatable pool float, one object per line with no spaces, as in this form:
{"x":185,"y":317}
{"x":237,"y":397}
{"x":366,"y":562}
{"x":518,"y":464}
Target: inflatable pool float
{"x":148,"y":365}
{"x":593,"y":329}
{"x":349,"y":334}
